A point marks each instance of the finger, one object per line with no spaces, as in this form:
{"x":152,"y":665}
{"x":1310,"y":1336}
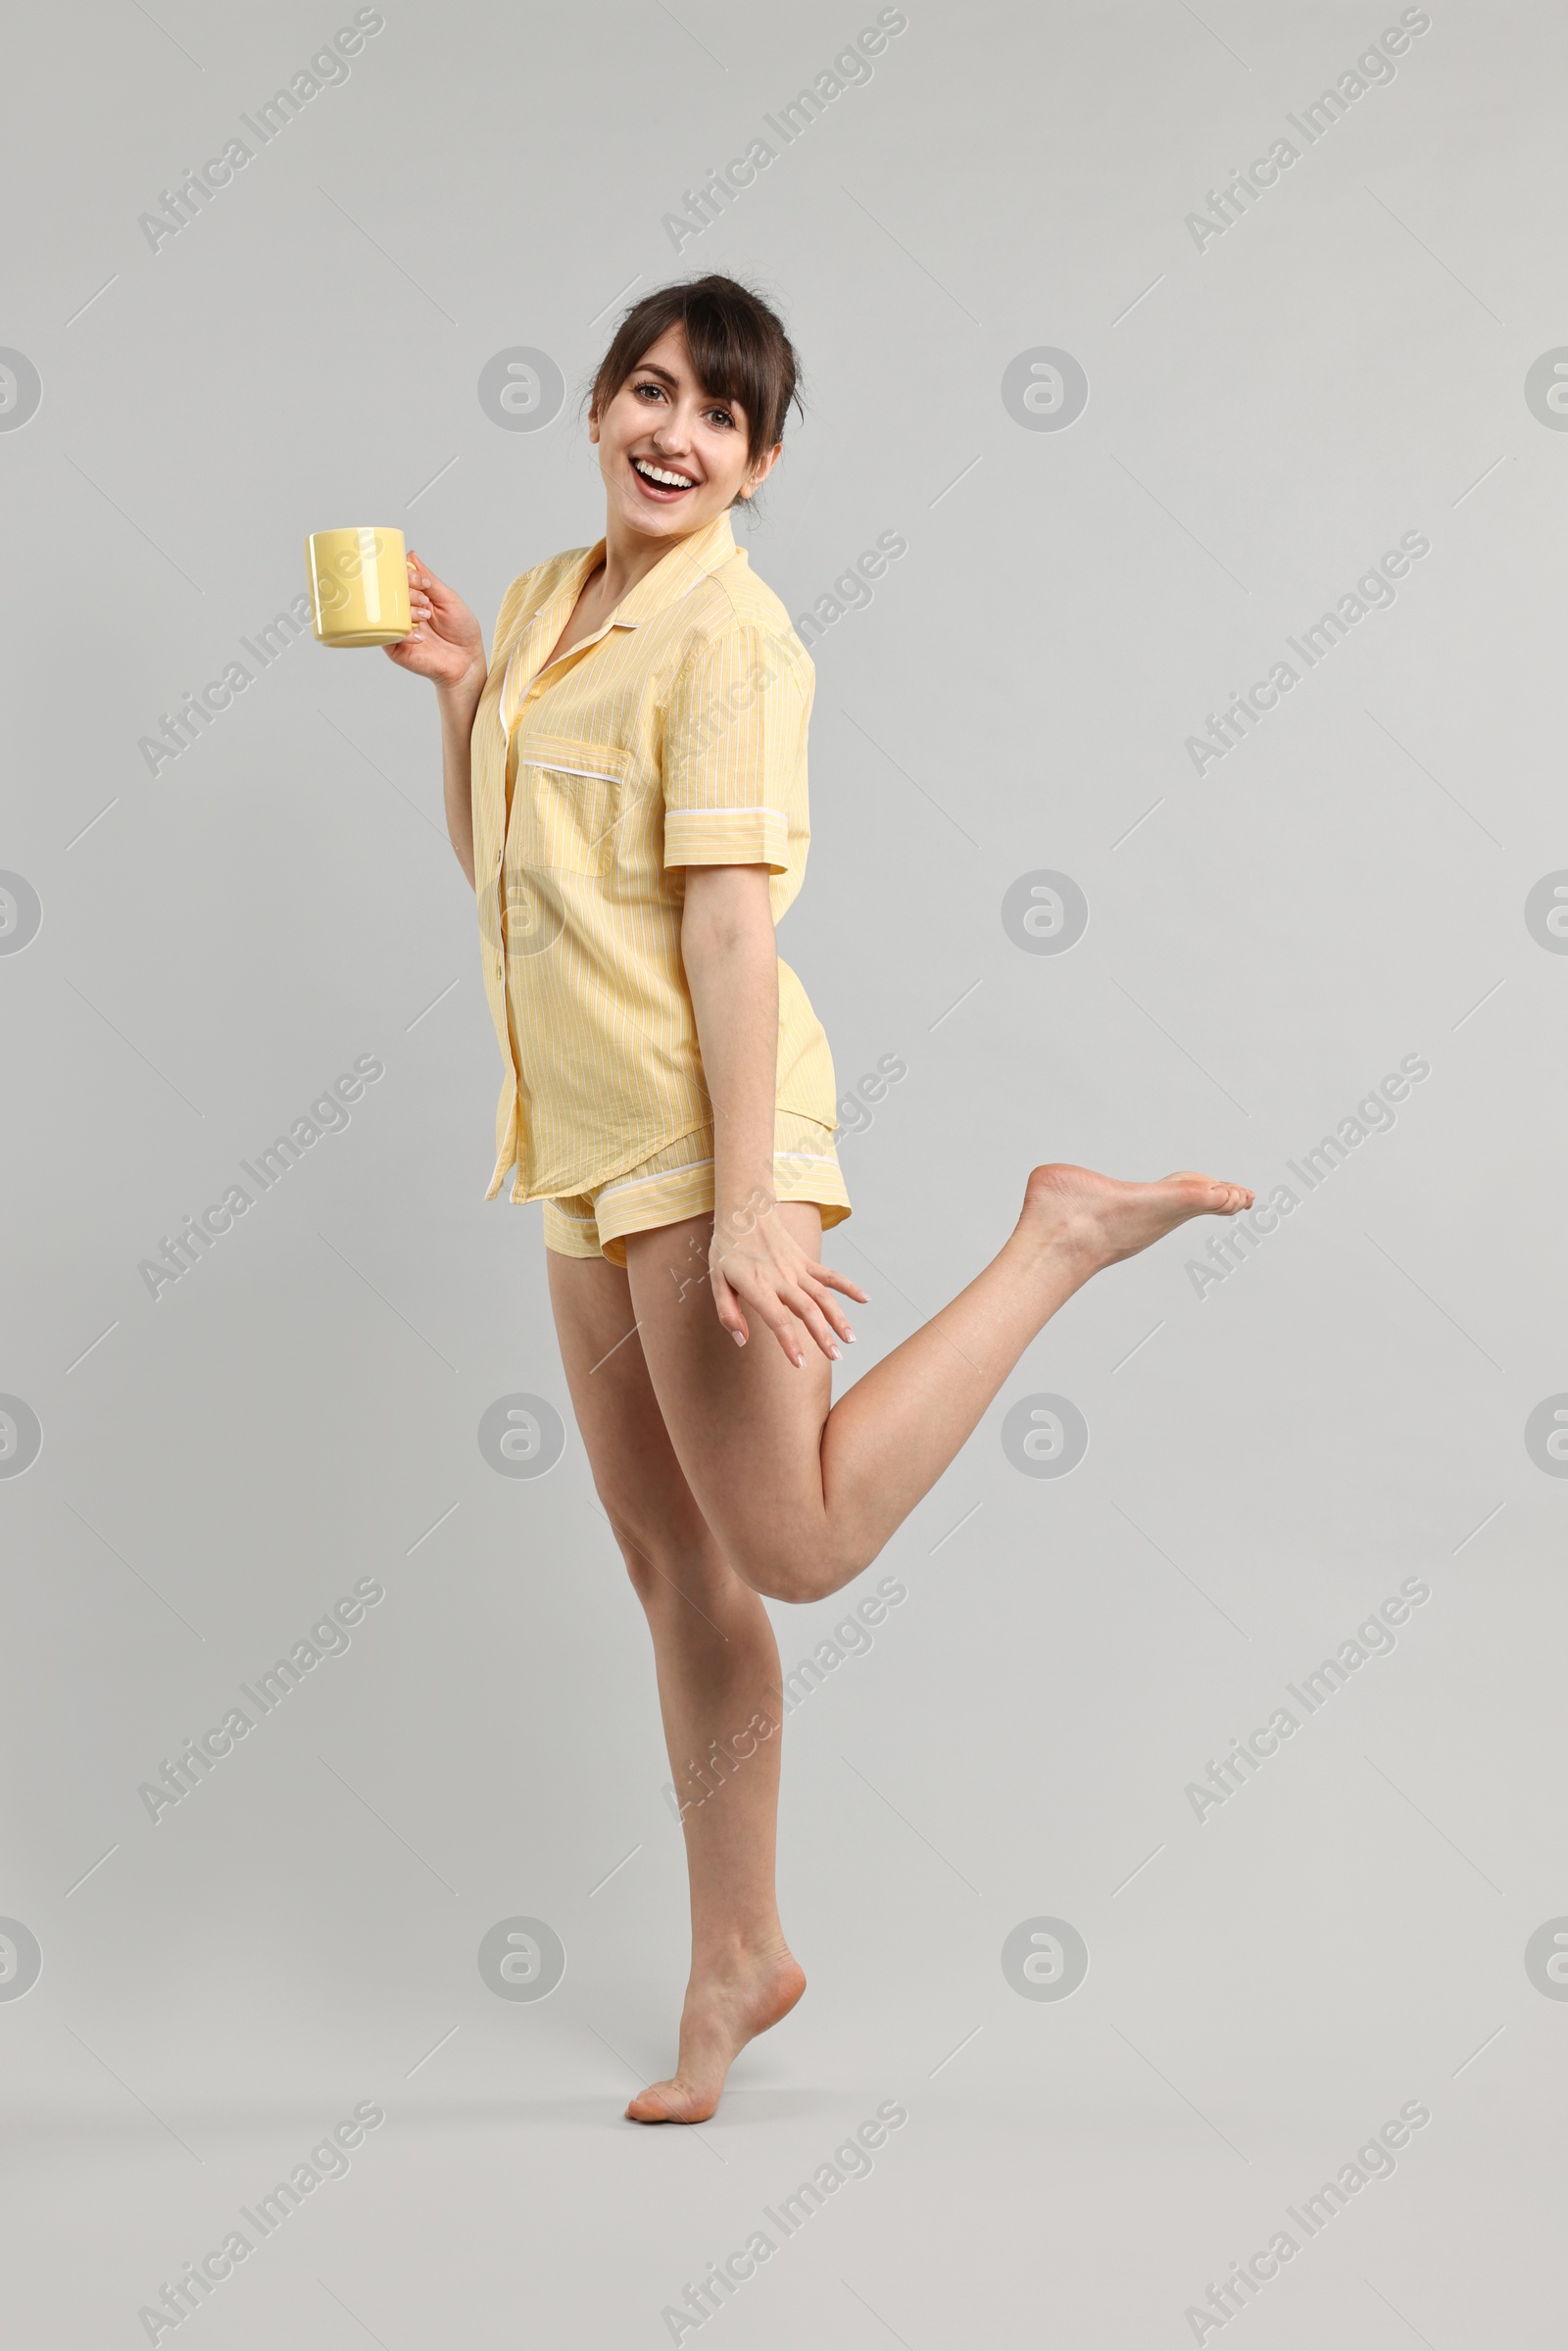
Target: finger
{"x":839,"y":1281}
{"x":829,"y":1306}
{"x":784,"y":1332}
{"x":808,"y":1312}
{"x":728,"y":1307}
{"x":820,"y":1277}
{"x":784,"y":1327}
{"x":786,"y":1301}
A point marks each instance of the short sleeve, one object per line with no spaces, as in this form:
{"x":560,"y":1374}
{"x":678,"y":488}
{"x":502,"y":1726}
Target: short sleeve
{"x":734,"y":752}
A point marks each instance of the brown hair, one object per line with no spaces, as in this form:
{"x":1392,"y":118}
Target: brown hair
{"x":738,"y":348}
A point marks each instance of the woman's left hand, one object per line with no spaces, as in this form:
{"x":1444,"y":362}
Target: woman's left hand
{"x":757,"y":1268}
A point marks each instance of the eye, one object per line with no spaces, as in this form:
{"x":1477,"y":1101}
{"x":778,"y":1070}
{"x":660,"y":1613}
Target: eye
{"x":658,"y":390}
{"x":722,"y":415}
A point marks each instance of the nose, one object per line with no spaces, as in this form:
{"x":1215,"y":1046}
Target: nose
{"x":673,"y":434}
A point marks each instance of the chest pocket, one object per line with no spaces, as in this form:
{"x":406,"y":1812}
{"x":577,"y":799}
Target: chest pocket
{"x":569,"y":803}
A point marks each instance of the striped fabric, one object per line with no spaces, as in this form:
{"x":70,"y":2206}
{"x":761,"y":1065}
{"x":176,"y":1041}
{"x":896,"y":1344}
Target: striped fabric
{"x":675,"y":736}
{"x":678,"y":1182}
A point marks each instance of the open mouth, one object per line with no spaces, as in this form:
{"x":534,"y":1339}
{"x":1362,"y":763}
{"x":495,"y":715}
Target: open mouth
{"x":661,"y":482}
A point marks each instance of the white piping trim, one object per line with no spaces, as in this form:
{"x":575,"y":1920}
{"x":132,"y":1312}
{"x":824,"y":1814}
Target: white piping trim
{"x":636,"y":1183}
{"x":594,"y":775}
{"x":691,"y":1166}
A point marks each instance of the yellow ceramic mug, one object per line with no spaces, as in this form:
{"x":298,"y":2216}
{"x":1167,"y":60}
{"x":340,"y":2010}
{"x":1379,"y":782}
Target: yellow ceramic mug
{"x":359,"y":586}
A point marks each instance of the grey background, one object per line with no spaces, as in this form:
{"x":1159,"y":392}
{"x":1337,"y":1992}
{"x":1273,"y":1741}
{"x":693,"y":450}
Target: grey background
{"x":1265,"y":416}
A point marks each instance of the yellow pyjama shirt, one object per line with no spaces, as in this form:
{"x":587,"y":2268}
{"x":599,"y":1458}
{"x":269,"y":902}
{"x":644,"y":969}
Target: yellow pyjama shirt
{"x":674,"y":736}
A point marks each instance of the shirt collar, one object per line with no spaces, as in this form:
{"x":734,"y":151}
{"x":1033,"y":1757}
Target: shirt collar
{"x":675,"y":575}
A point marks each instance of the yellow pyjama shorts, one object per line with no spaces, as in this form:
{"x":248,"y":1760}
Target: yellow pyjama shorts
{"x":678,"y":1182}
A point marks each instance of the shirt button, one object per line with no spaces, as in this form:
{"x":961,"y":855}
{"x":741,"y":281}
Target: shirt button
{"x":500,"y":853}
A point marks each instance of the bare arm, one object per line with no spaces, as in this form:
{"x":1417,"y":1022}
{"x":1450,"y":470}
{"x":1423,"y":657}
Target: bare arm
{"x":458,"y":707}
{"x":731,"y":961}
{"x":447,"y":646}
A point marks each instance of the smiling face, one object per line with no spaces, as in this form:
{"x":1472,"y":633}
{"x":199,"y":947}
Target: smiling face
{"x":674,"y":454}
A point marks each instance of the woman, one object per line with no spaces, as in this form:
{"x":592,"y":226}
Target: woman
{"x":626,"y":790}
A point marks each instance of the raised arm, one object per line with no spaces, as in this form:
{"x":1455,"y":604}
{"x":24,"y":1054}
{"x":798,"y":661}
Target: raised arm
{"x":447,"y":646}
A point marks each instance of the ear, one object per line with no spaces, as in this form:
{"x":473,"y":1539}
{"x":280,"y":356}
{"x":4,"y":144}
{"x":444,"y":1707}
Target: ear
{"x":764,"y":467}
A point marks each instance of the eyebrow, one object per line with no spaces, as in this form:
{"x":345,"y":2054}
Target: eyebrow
{"x":648,"y":367}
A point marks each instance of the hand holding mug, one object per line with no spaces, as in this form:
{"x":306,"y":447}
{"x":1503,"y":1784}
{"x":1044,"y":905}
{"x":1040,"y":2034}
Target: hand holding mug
{"x":446,"y":643}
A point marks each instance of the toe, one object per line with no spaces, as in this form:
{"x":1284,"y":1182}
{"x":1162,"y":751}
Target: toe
{"x":648,"y":2107}
{"x":669,"y":2102}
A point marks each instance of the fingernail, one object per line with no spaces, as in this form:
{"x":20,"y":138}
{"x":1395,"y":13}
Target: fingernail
{"x":739,"y":1338}
{"x":835,"y":1353}
{"x":850,"y":1336}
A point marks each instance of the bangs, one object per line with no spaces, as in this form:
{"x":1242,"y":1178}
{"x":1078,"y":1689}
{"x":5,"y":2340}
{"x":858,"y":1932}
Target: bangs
{"x":728,"y":362}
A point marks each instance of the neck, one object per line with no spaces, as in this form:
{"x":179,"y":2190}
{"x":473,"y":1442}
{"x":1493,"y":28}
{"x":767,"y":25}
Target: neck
{"x":630,"y":555}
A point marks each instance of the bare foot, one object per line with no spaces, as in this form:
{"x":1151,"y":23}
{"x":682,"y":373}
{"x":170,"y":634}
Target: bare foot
{"x":722,"y":2013}
{"x":1099,"y":1220}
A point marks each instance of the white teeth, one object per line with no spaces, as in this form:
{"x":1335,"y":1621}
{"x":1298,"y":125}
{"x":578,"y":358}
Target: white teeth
{"x":671,"y":482}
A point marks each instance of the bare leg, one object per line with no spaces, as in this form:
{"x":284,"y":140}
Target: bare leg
{"x":803,"y":1498}
{"x":718,"y":1690}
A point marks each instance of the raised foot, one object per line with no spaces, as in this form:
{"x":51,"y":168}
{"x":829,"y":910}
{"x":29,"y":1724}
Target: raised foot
{"x":1102,"y":1220}
{"x":722,"y":2013}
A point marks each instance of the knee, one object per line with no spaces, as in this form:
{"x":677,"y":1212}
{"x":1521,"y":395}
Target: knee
{"x":650,"y":1562}
{"x":798,"y":1581}
{"x":650,"y":1549}
{"x":800,"y":1573}
{"x":669,"y":1561}
{"x":641,"y":1572}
